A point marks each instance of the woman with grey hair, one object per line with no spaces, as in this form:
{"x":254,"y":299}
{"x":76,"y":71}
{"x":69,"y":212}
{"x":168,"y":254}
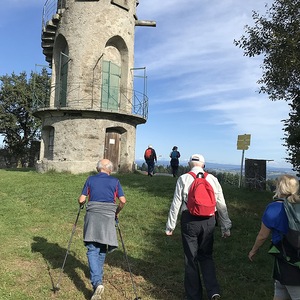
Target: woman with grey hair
{"x":275,"y":221}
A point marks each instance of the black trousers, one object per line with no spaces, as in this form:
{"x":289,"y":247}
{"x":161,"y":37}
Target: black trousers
{"x":150,"y":164}
{"x":198,"y":238}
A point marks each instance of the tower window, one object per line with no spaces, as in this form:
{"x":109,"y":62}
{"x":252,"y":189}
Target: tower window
{"x":111,"y":74}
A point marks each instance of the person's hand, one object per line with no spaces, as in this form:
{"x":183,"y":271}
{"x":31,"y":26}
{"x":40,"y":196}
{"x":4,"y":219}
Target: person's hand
{"x":226,"y":234}
{"x":169,"y":232}
{"x":81,"y":204}
{"x":251,"y":255}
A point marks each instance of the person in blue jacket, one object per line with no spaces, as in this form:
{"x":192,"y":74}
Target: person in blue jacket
{"x":99,"y":233}
{"x":174,"y":155}
{"x":275,"y":222}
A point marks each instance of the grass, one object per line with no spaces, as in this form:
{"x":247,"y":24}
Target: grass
{"x":36,"y":221}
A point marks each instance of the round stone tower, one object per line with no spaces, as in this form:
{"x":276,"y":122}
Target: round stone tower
{"x":93,"y":109}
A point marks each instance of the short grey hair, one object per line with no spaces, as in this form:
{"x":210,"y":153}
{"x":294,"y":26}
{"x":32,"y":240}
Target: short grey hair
{"x":108,"y":166}
{"x":196,"y":164}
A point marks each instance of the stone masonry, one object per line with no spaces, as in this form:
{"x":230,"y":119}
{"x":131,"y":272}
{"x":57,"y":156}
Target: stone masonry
{"x":93,"y":110}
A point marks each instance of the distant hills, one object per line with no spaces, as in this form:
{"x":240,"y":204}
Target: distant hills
{"x":272,"y":171}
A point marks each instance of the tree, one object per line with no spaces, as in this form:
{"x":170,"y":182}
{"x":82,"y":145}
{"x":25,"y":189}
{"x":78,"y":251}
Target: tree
{"x":17,"y":124}
{"x":276,"y":36}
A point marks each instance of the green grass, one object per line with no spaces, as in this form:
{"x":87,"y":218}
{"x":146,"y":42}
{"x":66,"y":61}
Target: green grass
{"x":36,"y":220}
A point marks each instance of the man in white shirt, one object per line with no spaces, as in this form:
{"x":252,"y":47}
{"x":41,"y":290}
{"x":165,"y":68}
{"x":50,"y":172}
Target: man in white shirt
{"x":198,"y":233}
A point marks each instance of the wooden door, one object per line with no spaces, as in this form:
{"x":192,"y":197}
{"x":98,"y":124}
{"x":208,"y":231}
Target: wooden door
{"x":111,"y":151}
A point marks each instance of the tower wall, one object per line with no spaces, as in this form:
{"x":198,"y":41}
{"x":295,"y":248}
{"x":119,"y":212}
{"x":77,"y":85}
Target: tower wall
{"x":94,"y":32}
{"x":90,"y":112}
{"x":77,"y":151}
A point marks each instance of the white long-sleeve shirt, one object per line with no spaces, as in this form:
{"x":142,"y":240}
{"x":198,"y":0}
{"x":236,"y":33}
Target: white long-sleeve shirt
{"x":180,"y":198}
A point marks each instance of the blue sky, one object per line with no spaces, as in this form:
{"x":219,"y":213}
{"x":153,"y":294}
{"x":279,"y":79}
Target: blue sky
{"x":202,"y":91}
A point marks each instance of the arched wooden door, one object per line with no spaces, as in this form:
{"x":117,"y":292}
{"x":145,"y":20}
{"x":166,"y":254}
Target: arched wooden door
{"x":112,"y":148}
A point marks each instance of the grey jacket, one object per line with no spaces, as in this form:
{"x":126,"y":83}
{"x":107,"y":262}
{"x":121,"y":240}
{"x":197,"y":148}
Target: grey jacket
{"x":99,"y":223}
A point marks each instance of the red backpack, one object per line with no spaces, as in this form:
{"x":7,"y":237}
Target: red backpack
{"x":148,"y":153}
{"x":201,"y":197}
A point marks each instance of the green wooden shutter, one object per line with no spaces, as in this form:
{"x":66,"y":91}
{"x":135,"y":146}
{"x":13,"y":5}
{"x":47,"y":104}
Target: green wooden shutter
{"x":111,"y":74}
{"x":64,"y":60}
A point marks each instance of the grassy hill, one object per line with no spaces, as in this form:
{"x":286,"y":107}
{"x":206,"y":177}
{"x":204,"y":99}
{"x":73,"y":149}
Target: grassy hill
{"x":36,"y":220}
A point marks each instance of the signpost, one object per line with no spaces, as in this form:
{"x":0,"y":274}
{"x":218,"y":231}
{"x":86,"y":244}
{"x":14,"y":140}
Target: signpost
{"x":243,"y":143}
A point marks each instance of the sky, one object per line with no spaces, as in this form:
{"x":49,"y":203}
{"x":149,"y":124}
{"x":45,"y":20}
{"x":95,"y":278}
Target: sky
{"x":202,"y":90}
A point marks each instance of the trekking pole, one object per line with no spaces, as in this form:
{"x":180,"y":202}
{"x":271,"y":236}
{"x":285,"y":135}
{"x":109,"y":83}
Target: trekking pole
{"x":57,"y":288}
{"x":126,"y":258}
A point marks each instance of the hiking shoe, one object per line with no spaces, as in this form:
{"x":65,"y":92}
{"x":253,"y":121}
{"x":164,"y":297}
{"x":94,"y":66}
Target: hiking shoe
{"x":98,"y":292}
{"x":216,"y":297}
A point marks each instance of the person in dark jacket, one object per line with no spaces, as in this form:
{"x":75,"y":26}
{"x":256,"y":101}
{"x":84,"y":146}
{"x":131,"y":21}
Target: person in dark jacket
{"x":150,"y":158}
{"x":174,"y":155}
{"x":99,"y":232}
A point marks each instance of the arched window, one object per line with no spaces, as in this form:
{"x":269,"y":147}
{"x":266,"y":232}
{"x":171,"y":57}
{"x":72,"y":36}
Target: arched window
{"x":48,"y":139}
{"x":61,"y":60}
{"x":63,"y":78}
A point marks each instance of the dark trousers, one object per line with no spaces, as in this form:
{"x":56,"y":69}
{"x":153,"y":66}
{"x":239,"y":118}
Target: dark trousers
{"x":198,"y":238}
{"x":174,"y":165}
{"x":174,"y":170}
{"x":150,"y":164}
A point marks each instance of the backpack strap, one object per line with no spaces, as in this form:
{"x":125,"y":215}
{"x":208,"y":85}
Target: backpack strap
{"x":193,"y":174}
{"x":205,"y":175}
{"x":197,"y":176}
{"x":279,"y":200}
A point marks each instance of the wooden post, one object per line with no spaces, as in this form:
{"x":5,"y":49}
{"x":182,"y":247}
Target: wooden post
{"x":242,"y":164}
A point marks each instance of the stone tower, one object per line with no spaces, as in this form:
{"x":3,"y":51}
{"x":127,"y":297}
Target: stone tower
{"x":93,"y":108}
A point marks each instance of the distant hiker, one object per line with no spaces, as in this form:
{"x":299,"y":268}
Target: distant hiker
{"x":174,"y":155}
{"x":150,"y":158}
{"x":100,"y":234}
{"x":197,"y":231}
{"x":275,"y":220}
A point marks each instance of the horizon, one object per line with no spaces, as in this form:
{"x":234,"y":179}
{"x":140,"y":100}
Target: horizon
{"x":219,"y":166}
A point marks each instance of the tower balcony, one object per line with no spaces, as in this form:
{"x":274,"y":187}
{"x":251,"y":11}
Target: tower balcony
{"x":79,"y":98}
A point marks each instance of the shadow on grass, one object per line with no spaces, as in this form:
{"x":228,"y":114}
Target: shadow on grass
{"x":20,"y":169}
{"x":54,"y":255}
{"x":156,"y":275}
{"x":147,"y":279}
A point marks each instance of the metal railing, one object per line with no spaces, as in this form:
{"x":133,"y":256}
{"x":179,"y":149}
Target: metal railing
{"x":79,"y":96}
{"x":51,"y":8}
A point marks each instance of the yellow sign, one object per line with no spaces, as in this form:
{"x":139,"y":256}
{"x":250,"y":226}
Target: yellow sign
{"x":243,"y":141}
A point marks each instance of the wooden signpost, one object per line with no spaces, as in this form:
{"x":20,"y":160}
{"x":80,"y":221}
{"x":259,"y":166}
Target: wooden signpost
{"x":243,"y":143}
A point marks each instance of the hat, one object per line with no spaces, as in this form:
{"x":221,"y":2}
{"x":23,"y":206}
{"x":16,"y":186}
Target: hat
{"x":174,"y":148}
{"x":150,"y":146}
{"x":197,"y":157}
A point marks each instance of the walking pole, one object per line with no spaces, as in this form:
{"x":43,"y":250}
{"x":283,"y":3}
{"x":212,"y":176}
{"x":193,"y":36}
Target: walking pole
{"x":57,"y":288}
{"x":126,"y":258}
